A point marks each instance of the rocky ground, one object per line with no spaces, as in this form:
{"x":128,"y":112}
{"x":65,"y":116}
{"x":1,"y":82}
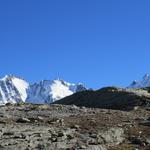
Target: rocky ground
{"x":58,"y":127}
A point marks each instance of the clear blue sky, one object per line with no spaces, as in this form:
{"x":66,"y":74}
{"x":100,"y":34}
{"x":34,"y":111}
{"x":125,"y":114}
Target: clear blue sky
{"x":97,"y":42}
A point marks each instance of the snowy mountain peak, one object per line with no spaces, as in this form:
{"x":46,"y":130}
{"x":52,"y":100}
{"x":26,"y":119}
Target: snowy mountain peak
{"x":7,"y":77}
{"x":145,"y":82}
{"x":146,"y":77}
{"x":14,"y":89}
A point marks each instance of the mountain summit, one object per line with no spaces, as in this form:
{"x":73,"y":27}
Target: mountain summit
{"x":14,"y":90}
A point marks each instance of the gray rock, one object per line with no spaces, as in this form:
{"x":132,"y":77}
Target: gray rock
{"x":23,"y":120}
{"x":112,"y":136}
{"x":96,"y":147}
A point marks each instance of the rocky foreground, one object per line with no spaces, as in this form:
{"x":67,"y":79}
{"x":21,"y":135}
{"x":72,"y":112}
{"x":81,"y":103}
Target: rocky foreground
{"x":58,"y":127}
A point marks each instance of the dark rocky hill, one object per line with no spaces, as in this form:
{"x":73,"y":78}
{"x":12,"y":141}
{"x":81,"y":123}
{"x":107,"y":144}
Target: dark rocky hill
{"x":109,"y":98}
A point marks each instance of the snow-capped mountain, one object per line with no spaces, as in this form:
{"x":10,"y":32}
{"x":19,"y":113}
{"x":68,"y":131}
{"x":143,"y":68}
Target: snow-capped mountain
{"x":14,"y":90}
{"x":145,"y":82}
{"x":48,"y":91}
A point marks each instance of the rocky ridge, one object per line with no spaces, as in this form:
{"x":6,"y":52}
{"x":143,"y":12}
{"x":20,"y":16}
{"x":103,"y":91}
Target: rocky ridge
{"x":109,"y":98}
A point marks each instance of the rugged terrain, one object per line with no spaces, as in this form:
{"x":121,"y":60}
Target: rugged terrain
{"x":107,"y":119}
{"x":58,"y":127}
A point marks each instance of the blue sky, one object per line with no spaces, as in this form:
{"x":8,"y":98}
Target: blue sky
{"x":97,"y":42}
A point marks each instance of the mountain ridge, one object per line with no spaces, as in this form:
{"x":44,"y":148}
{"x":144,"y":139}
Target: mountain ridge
{"x":15,"y":89}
